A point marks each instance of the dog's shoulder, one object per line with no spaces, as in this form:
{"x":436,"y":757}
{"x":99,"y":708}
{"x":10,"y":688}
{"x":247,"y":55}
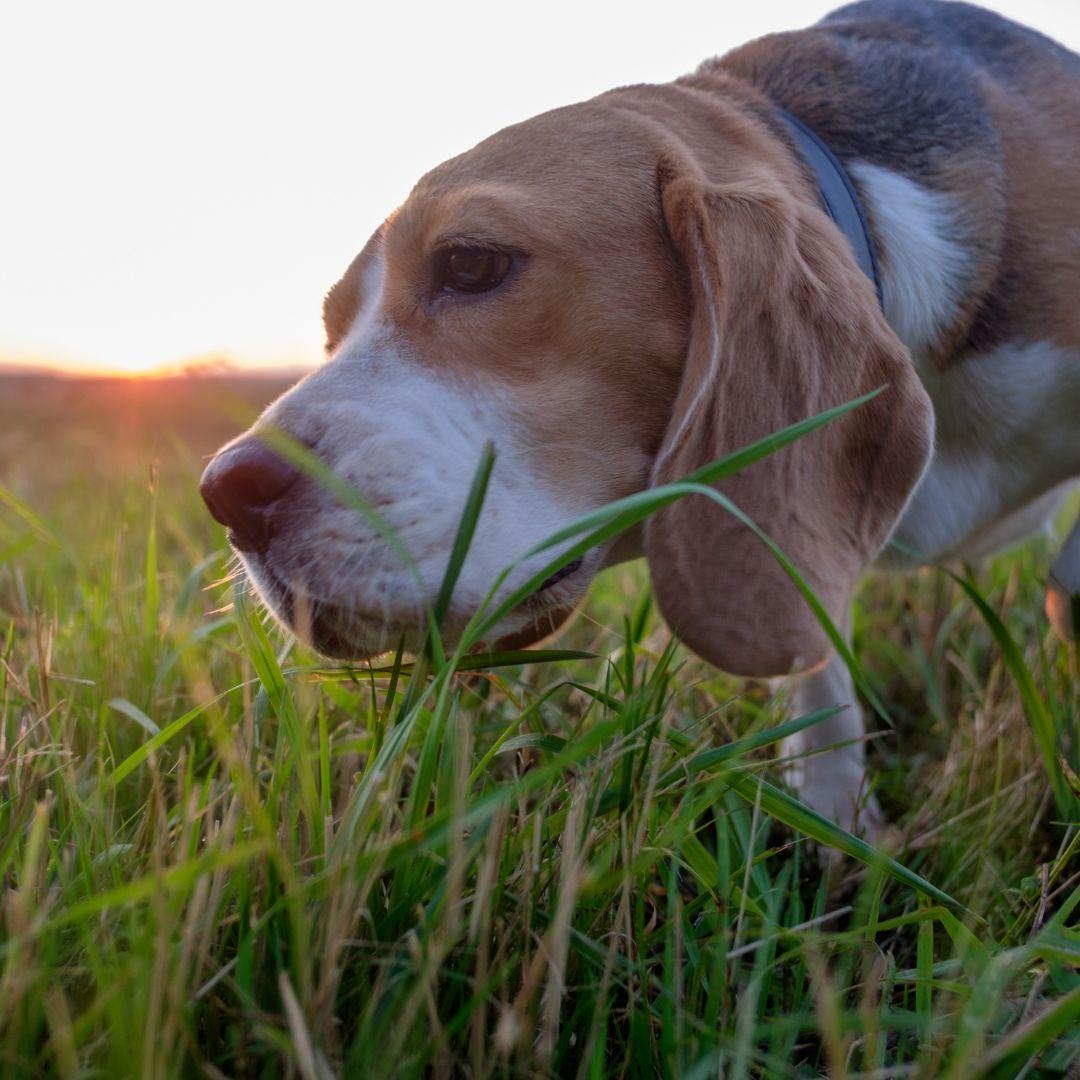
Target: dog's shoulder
{"x":979,"y":36}
{"x":876,"y":88}
{"x":900,"y":83}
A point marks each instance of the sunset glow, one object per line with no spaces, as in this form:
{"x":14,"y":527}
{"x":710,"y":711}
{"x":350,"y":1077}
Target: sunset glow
{"x":188,"y":181}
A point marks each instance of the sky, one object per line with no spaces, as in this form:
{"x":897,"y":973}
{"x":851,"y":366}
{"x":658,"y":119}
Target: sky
{"x":183,"y":182}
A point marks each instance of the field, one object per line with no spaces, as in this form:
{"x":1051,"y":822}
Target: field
{"x":220,"y":857}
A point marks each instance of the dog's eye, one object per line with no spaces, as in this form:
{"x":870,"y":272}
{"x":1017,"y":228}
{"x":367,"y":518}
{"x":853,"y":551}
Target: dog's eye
{"x":470,"y":269}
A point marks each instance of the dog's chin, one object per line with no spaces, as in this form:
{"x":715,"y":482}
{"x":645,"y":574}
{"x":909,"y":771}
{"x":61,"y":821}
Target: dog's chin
{"x":340,"y":634}
{"x":334,"y":631}
{"x":350,"y":635}
{"x":342,"y":640}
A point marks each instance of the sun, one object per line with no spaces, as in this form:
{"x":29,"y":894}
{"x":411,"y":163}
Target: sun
{"x":131,"y":368}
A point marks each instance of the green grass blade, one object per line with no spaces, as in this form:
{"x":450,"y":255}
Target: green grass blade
{"x":162,"y":738}
{"x":708,"y":760}
{"x":553,"y":744}
{"x":36,"y":523}
{"x":1039,"y":718}
{"x":474,"y":503}
{"x":133,"y":712}
{"x":795,"y":815}
{"x":152,"y":587}
{"x":1024,"y":1044}
{"x":708,"y":474}
{"x":924,"y":967}
{"x":481,"y":661}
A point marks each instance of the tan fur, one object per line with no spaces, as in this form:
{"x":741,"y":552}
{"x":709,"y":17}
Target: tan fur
{"x":1042,"y":165}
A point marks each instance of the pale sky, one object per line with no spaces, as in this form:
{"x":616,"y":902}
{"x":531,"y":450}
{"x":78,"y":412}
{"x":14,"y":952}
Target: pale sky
{"x":182,"y":180}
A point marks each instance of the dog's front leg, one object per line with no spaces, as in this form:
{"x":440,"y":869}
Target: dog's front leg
{"x":1063,"y":589}
{"x":828,"y":760}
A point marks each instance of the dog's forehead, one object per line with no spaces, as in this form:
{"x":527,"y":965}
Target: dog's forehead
{"x":577,"y":160}
{"x":475,"y":209}
{"x":559,"y":145}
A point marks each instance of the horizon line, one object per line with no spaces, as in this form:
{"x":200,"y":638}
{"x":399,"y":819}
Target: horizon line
{"x":16,"y":362}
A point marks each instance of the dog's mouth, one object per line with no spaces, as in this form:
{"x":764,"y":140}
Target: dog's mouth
{"x":561,"y":575}
{"x":334,"y":630}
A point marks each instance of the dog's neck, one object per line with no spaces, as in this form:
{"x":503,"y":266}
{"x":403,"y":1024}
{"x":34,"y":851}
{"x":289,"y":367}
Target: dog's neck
{"x":928,"y":274}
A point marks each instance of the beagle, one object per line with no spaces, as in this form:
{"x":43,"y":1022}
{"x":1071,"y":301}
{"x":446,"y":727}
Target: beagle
{"x":618,"y":292}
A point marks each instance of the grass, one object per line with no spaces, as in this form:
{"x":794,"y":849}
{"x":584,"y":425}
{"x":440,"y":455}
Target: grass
{"x":220,"y":857}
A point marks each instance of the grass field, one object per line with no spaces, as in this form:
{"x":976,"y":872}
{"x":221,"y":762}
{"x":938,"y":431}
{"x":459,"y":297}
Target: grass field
{"x":219,"y":857}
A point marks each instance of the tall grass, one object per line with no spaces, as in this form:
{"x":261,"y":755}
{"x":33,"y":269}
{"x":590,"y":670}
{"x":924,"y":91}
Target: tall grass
{"x":220,"y":856}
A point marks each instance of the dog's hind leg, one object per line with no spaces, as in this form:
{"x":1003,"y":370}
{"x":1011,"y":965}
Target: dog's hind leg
{"x":1063,"y":589}
{"x":828,"y":761}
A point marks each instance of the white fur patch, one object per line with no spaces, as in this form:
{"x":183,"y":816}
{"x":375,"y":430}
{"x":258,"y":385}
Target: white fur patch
{"x":924,"y":266}
{"x":1006,"y":449}
{"x":371,"y":289}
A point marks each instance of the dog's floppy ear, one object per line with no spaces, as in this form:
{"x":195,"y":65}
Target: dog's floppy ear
{"x":783,"y":326}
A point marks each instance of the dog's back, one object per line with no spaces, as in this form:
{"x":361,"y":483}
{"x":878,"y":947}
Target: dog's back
{"x":966,"y":104}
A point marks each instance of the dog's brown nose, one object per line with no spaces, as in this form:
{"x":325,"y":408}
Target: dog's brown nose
{"x":243,"y":487}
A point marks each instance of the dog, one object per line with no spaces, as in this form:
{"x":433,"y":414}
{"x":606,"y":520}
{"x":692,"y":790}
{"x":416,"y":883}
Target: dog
{"x":620,"y":291}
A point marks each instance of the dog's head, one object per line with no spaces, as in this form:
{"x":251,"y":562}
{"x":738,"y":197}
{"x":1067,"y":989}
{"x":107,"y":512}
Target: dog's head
{"x":612,"y":294}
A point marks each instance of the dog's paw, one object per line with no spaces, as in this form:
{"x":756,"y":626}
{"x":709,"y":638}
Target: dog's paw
{"x":834,"y":784}
{"x":849,"y":806}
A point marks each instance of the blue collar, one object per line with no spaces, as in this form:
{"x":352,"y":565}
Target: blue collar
{"x":838,"y":194}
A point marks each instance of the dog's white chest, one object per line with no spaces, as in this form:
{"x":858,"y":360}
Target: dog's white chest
{"x":1007,"y":444}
